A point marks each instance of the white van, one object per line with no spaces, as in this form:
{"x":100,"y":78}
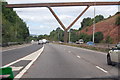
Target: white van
{"x":40,"y":42}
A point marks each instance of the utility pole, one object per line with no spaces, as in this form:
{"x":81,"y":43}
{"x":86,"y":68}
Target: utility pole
{"x":94,"y":26}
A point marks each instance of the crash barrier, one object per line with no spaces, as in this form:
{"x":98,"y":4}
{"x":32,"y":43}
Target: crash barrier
{"x":6,"y":73}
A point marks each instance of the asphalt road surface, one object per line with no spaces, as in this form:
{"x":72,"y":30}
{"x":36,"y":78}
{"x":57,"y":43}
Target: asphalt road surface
{"x":15,"y":54}
{"x":18,"y":58}
{"x":60,"y":61}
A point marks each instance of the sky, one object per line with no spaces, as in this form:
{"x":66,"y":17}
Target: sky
{"x":40,"y":20}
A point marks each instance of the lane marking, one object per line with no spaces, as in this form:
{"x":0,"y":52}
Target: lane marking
{"x":78,"y":56}
{"x":28,"y":57}
{"x":29,"y":65}
{"x":16,"y":68}
{"x":101,"y":69}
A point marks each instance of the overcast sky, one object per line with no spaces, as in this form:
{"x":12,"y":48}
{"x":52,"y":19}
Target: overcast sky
{"x":41,"y":21}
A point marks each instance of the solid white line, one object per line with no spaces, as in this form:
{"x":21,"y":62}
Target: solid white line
{"x":78,"y":56}
{"x":101,"y":69}
{"x":29,"y":65}
{"x":12,"y":63}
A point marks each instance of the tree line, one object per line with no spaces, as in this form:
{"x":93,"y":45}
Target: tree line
{"x":58,"y":34}
{"x":14,"y":29}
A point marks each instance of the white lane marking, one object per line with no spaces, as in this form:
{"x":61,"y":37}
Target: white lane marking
{"x":78,"y":56}
{"x":29,"y":65}
{"x":16,"y":68}
{"x":16,"y":48}
{"x":101,"y":69}
{"x":28,"y":57}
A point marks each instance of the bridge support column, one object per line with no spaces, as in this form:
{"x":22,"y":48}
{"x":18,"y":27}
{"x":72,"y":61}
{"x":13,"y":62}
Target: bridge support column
{"x":65,"y":36}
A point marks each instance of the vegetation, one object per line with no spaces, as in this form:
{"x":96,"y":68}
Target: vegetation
{"x":98,"y":37}
{"x":117,"y":21}
{"x":86,"y":22}
{"x":73,"y":35}
{"x":57,"y":35}
{"x":88,"y":47}
{"x":89,"y":21}
{"x":13,"y":28}
{"x":108,"y":40}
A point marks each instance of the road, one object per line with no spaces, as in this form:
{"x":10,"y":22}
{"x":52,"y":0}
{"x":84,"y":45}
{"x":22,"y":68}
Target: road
{"x":60,"y":61}
{"x":16,"y":57}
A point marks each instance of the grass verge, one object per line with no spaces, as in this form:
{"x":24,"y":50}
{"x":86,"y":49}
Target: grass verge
{"x":87,"y":47}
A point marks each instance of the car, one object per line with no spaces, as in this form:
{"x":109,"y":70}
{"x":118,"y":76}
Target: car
{"x":90,"y":43}
{"x":80,"y":41}
{"x":40,"y":42}
{"x":113,"y":55}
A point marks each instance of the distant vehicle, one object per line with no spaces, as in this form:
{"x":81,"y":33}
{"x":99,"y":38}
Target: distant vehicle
{"x":60,"y":41}
{"x":112,"y":56}
{"x":32,"y":41}
{"x":90,"y":43}
{"x":80,"y":41}
{"x":44,"y":41}
{"x":40,"y":42}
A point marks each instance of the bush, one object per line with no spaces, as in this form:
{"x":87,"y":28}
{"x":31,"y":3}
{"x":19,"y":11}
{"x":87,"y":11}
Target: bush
{"x":98,"y":37}
{"x":117,"y":21}
{"x":108,"y":40}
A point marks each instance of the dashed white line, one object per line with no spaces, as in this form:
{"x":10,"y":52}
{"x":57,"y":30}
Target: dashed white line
{"x":78,"y":56}
{"x":101,"y":69}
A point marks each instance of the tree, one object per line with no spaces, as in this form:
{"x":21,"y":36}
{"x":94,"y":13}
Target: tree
{"x":85,"y":37}
{"x":98,"y":37}
{"x":98,"y":18}
{"x":108,"y":39}
{"x":86,"y":22}
{"x":13,"y":28}
{"x":89,"y":21}
{"x":57,"y":35}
